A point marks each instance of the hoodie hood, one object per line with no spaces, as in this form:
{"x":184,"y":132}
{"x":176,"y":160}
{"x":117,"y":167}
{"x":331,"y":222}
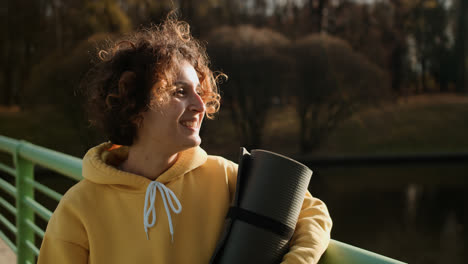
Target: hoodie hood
{"x":100,"y":166}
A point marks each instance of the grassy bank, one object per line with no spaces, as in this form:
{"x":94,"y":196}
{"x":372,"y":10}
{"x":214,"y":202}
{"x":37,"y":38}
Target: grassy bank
{"x":436,"y":123}
{"x":48,"y":127}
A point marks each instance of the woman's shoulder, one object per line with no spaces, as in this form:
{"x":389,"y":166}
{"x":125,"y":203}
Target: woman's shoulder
{"x":214,"y":160}
{"x":79,"y":194}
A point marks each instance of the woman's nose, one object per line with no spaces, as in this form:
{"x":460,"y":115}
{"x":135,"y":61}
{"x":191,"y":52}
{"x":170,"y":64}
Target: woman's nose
{"x":197,"y":104}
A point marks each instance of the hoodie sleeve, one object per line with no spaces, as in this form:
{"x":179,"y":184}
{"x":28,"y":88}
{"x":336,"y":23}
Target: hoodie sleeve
{"x":65,"y":240}
{"x":312,"y":233}
{"x":54,"y":250}
{"x":231,"y":171}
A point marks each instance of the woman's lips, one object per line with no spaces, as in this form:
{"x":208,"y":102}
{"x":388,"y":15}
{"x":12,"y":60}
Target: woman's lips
{"x":190,"y":124}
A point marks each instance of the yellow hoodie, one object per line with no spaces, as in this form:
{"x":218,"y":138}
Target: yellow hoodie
{"x":100,"y":220}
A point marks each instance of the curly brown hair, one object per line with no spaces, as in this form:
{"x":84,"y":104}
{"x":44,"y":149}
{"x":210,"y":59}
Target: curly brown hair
{"x":138,"y":72}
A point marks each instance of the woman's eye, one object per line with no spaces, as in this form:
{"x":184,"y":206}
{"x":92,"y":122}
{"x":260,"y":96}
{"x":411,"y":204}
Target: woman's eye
{"x":179,"y":92}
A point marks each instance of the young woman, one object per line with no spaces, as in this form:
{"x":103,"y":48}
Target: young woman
{"x":151,"y":194}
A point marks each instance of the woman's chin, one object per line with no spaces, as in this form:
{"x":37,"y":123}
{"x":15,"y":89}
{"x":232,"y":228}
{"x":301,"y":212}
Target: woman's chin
{"x":196,"y":141}
{"x":191,"y":142}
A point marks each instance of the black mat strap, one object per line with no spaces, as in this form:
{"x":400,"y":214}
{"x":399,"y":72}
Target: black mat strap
{"x":264,"y":222}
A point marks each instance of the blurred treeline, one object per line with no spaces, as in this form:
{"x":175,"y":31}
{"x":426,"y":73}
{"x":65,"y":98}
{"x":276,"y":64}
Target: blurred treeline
{"x":325,"y":58}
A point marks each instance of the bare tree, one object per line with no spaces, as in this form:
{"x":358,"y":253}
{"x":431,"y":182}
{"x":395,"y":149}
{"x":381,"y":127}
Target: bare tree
{"x":22,"y":22}
{"x":332,"y":81}
{"x":250,"y":57}
{"x":460,"y":45}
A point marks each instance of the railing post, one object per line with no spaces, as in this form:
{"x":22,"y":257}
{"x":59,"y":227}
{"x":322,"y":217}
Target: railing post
{"x":25,"y":170}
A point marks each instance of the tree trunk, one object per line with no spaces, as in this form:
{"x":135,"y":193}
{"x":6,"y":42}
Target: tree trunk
{"x":302,"y":112}
{"x":58,"y":26}
{"x":396,"y":66}
{"x":320,"y":15}
{"x":423,"y":75}
{"x":460,"y":46}
{"x":7,"y":99}
{"x":7,"y":68}
{"x":316,"y":14}
{"x":186,"y":7}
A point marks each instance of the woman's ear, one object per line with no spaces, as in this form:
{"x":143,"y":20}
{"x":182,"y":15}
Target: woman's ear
{"x":138,"y":120}
{"x":127,"y":82}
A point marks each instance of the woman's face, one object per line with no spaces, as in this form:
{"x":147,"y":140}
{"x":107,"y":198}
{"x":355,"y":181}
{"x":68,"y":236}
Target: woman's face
{"x":174,"y":126}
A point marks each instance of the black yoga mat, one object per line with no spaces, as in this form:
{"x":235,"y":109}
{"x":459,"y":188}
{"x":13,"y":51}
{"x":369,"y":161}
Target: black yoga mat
{"x":269,"y":195}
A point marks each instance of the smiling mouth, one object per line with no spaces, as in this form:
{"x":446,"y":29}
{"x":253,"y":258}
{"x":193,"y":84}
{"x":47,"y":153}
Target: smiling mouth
{"x":190,"y":124}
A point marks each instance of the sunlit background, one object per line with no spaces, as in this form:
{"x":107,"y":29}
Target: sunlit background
{"x":371,"y":94}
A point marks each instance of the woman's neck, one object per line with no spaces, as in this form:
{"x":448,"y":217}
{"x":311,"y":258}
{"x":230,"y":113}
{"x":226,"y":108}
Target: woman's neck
{"x":145,"y":160}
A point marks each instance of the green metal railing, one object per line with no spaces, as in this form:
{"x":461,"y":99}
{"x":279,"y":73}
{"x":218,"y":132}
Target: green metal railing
{"x":26,"y":156}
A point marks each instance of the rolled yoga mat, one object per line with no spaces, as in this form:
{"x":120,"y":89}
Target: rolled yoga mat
{"x":269,"y":195}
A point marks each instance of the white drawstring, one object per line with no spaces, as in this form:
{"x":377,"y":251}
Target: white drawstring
{"x":165,"y":192}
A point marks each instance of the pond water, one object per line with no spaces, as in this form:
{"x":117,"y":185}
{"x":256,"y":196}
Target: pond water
{"x":414,"y":223}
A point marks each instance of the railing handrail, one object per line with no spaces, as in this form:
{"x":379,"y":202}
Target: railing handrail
{"x":339,"y":252}
{"x":62,"y":163}
{"x":26,"y":155}
{"x":8,"y":144}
